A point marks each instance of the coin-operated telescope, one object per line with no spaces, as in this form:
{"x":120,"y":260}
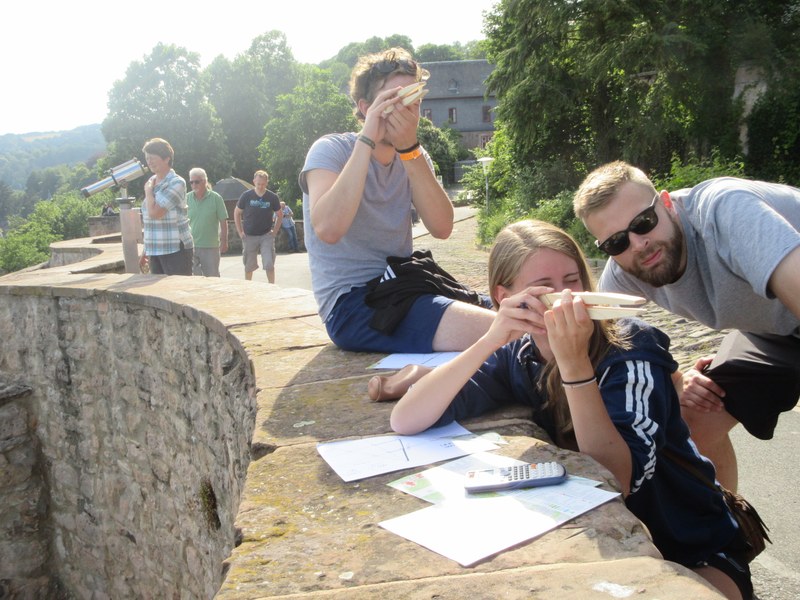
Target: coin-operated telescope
{"x":130,"y":218}
{"x":118,"y":176}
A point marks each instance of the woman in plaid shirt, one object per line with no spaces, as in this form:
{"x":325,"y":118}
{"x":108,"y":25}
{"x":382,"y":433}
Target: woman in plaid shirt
{"x":167,"y":237}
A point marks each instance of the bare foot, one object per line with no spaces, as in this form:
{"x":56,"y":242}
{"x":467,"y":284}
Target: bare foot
{"x":384,"y":388}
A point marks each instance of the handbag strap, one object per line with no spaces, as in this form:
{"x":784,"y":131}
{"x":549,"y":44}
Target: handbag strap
{"x":682,"y":462}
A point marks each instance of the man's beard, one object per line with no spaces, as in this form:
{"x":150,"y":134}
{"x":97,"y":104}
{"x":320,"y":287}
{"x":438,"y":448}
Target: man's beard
{"x":669,"y":269}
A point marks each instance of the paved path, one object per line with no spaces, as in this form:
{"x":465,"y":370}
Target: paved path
{"x":291,"y":270}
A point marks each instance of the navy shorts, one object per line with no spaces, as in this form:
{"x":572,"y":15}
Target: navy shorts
{"x":761,"y":378}
{"x":735,"y":566}
{"x":348,"y":325}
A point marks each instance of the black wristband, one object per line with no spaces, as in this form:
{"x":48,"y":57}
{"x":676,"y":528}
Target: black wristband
{"x":367,"y":141}
{"x":581,"y":382}
{"x":410,"y":149}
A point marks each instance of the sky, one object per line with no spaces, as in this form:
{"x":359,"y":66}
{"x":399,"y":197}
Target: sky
{"x":61,"y":58}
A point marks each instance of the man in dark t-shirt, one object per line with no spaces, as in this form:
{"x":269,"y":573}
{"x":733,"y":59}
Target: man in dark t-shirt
{"x":258,"y":216}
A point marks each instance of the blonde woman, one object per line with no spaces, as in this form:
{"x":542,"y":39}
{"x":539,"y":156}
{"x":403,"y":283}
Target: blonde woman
{"x":604,"y":388}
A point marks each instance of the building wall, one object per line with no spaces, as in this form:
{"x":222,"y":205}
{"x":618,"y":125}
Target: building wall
{"x":460,"y":86}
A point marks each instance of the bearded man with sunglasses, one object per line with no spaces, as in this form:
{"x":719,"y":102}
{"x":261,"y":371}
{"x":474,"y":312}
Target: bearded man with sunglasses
{"x":358,"y":192}
{"x":725,"y":253}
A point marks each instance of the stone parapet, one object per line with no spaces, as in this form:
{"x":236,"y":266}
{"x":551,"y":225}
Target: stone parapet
{"x":174,"y":421}
{"x":104,"y":225}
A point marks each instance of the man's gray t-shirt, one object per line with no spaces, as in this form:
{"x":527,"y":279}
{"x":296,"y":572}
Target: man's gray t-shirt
{"x":737,"y":232}
{"x":381,"y":228}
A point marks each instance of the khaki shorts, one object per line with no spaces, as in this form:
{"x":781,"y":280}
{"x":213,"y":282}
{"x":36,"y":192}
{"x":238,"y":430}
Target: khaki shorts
{"x":252,"y":246}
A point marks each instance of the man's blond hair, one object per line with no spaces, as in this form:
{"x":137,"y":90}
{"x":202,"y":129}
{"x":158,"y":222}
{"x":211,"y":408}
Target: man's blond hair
{"x":602,"y":185}
{"x":372,"y":71}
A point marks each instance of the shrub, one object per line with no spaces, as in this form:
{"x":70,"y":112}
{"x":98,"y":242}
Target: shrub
{"x":695,"y":170}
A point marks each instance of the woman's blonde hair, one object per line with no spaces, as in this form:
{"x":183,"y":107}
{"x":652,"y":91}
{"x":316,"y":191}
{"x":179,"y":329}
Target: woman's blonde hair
{"x":512,"y":247}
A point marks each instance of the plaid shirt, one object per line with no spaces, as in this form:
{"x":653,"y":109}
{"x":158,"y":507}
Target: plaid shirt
{"x":164,"y":235}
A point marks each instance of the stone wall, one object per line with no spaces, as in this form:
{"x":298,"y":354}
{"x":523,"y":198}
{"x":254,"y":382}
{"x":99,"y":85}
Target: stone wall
{"x":104,"y":225}
{"x":23,"y":529}
{"x":123,"y":468}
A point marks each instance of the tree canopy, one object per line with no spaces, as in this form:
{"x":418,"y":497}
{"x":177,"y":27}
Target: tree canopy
{"x":245,"y":92}
{"x":314,"y":108}
{"x":165,"y":96}
{"x":581,"y":83}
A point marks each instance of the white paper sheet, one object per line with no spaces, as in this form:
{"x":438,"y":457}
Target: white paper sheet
{"x":398,"y":361}
{"x":467,"y":528}
{"x":468,"y":531}
{"x":366,"y":457}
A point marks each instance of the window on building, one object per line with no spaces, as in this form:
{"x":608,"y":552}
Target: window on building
{"x":427,"y":113}
{"x":452,"y":86}
{"x":487,"y":113}
{"x":451,"y":115}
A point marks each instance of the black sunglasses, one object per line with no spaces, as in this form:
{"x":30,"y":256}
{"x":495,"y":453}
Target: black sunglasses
{"x":642,"y":223}
{"x":390,"y":65}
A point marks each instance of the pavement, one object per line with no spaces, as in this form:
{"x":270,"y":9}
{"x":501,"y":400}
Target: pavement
{"x":292,"y":271}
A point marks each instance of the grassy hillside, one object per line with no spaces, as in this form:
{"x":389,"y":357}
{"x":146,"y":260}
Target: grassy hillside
{"x":22,"y":153}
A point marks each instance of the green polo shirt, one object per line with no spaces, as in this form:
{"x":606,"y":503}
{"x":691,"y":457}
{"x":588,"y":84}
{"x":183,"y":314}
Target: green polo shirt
{"x":204,"y":218}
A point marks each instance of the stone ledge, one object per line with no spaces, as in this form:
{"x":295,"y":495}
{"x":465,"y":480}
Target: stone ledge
{"x":642,"y":577}
{"x":304,"y":532}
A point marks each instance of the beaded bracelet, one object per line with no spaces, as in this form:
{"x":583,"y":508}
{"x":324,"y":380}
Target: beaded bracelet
{"x":577,"y":384}
{"x":367,"y":141}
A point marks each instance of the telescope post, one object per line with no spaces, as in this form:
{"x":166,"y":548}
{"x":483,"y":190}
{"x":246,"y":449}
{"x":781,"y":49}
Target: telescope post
{"x":130,"y":220}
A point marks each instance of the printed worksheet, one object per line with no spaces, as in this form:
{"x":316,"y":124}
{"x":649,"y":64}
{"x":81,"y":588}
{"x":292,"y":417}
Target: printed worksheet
{"x":398,"y":361}
{"x":470,"y":527}
{"x":367,"y":457}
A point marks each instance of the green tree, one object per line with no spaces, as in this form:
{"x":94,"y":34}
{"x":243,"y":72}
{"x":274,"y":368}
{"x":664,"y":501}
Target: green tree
{"x":25,"y":246}
{"x":314,"y":108}
{"x":65,"y":216}
{"x":164,"y":96}
{"x":474,"y":50}
{"x":441,"y":147}
{"x":607,"y":79}
{"x":244,"y":93}
{"x":10,"y":204}
{"x":351,"y":52}
{"x":438,"y":52}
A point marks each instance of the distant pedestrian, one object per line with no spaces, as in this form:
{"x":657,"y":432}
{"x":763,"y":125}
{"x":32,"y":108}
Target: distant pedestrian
{"x":288,"y":227}
{"x":257,"y":215}
{"x":167,"y":236}
{"x":208,"y":218}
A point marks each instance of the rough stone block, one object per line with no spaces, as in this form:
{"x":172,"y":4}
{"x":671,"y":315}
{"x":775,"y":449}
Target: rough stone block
{"x":304,"y":529}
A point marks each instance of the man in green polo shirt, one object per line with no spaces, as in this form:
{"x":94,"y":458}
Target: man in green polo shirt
{"x":208,"y":219}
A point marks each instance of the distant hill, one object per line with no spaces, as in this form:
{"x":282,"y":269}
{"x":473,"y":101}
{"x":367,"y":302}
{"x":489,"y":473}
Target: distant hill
{"x":20,"y":154}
